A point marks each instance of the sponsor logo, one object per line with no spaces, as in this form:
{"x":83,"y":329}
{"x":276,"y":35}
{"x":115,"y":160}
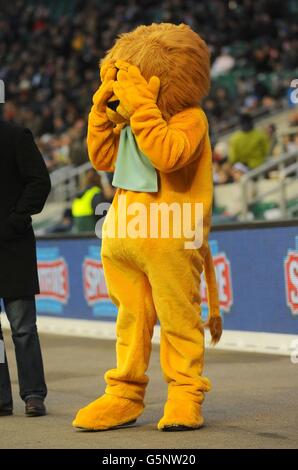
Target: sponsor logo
{"x":291,"y":279}
{"x":94,"y":285}
{"x":94,"y":282}
{"x":224,"y":281}
{"x":53,"y":280}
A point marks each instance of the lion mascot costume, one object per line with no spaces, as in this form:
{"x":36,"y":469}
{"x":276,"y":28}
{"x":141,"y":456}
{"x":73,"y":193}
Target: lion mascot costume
{"x":146,"y":126}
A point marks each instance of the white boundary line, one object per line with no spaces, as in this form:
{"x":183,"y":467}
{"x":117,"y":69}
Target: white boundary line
{"x":246,"y":341}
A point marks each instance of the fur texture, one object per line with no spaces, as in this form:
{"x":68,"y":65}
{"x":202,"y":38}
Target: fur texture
{"x":175,"y":54}
{"x":178,"y":413}
{"x":150,"y":278}
{"x":108,"y":412}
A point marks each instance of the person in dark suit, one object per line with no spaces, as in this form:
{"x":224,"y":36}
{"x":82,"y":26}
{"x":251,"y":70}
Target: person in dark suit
{"x":24,"y":188}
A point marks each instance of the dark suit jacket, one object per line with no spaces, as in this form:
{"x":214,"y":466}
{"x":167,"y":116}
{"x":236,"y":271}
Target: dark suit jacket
{"x":24,"y":187}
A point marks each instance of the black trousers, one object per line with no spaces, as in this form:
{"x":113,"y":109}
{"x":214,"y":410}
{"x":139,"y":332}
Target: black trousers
{"x":21,"y":314}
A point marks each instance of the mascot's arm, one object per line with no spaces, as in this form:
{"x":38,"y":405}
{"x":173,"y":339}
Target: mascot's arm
{"x":169,"y":145}
{"x":103,"y":137}
{"x":172,"y":145}
{"x":102,"y":141}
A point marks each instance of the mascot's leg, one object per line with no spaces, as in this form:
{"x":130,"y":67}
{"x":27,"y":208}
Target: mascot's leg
{"x":123,"y":401}
{"x":175,"y":281}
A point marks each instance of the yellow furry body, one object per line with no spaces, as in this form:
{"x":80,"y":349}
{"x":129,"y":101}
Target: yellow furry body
{"x":150,"y":278}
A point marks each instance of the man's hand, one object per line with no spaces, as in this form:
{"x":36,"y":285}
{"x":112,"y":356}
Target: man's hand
{"x":132,"y":89}
{"x":107,"y":74}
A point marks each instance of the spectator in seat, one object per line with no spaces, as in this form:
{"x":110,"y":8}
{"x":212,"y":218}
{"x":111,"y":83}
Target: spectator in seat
{"x":249,"y":145}
{"x":221,"y":164}
{"x":78,"y":150}
{"x":84,"y":205}
{"x":64,"y":225}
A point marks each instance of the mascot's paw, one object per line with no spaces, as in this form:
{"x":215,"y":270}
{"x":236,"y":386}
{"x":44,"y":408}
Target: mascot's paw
{"x":181,"y":415}
{"x":108,"y":412}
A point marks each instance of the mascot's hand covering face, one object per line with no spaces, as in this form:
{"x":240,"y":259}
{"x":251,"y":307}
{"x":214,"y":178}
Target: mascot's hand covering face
{"x":146,"y":126}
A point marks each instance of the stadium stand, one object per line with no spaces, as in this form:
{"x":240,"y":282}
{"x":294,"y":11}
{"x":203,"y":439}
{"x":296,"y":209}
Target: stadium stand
{"x":49,"y":54}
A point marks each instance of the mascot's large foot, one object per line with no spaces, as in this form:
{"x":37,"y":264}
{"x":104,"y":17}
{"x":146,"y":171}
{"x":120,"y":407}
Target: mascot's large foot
{"x":108,"y":412}
{"x":181,"y":415}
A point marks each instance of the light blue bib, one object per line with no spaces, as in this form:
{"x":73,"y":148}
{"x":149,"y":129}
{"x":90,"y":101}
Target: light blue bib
{"x":134,"y":171}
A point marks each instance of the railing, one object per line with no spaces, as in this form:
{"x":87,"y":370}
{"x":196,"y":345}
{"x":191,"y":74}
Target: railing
{"x":259,"y":114}
{"x":287,"y":166}
{"x":65,"y":181}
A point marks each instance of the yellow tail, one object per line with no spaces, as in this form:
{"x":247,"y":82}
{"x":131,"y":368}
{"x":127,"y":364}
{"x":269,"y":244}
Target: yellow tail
{"x":214,"y":322}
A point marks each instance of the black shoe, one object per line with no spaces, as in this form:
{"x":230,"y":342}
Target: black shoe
{"x":35,"y":407}
{"x":5,"y":412}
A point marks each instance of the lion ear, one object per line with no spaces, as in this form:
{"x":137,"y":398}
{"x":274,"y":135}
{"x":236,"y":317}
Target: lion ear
{"x":154,"y":86}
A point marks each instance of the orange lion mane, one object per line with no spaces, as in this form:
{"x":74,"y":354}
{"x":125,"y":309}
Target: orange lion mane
{"x":175,"y":54}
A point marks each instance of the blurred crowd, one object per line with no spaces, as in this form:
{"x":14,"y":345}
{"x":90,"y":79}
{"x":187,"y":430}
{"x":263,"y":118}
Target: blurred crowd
{"x":49,"y":54}
{"x":251,"y":146}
